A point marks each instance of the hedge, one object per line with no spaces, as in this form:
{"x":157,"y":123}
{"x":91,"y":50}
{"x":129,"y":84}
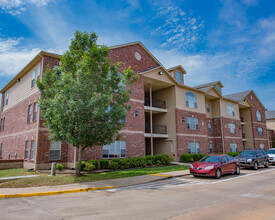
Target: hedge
{"x":94,"y":162}
{"x":104,"y":164}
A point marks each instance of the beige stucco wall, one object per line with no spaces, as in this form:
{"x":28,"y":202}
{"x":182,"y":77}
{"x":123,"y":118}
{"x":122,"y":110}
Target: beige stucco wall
{"x":167,"y":119}
{"x":216,"y":108}
{"x":270,"y":123}
{"x":247,"y":128}
{"x":209,"y":114}
{"x":154,"y":74}
{"x":180,"y":100}
{"x":224,"y":110}
{"x":21,"y":90}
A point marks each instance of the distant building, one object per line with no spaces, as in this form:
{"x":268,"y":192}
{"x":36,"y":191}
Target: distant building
{"x":167,"y":116}
{"x":270,"y":123}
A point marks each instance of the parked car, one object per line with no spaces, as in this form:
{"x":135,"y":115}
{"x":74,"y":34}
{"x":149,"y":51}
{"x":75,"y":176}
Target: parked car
{"x":215,"y":165}
{"x":253,"y":159}
{"x":271,"y":155}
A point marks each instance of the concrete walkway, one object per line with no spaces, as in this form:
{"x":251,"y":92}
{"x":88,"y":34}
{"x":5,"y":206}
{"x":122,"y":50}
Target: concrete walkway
{"x":87,"y":186}
{"x":17,"y":177}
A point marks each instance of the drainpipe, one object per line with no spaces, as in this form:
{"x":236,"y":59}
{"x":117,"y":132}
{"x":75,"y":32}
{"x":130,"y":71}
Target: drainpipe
{"x":38,"y":119}
{"x":223,"y":151}
{"x":151,"y":122}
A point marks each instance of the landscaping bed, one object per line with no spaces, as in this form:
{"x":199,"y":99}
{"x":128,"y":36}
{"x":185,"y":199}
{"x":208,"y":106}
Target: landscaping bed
{"x":16,"y":172}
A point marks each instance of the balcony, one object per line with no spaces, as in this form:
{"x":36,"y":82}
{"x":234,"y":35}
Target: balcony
{"x":243,"y":137}
{"x":158,"y":106}
{"x":242,"y":121}
{"x":158,"y":131}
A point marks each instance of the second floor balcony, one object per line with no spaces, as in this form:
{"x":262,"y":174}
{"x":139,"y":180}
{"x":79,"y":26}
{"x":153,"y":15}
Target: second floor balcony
{"x":157,"y":105}
{"x":157,"y":131}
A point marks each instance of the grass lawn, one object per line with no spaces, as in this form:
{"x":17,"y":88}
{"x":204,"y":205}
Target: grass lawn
{"x":16,"y":172}
{"x":62,"y":179}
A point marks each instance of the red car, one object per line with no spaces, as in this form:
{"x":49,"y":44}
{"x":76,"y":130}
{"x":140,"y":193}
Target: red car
{"x":215,"y":165}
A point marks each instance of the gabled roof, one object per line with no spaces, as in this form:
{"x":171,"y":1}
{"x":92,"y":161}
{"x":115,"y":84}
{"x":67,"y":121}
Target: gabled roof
{"x":238,"y":97}
{"x":177,"y":67}
{"x":208,"y":85}
{"x":28,"y":67}
{"x":270,"y":114}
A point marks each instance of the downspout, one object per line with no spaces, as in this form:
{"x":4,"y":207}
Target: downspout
{"x":223,"y":151}
{"x":38,"y":118}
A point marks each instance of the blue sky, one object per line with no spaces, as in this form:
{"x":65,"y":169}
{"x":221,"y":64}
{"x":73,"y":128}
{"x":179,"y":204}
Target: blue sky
{"x":226,"y":40}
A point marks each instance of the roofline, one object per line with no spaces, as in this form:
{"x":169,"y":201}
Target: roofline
{"x":213,"y":87}
{"x":209,"y":84}
{"x":258,"y":99}
{"x":227,"y":99}
{"x":178,"y":66}
{"x":27,"y":67}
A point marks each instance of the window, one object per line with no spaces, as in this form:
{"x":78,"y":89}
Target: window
{"x":218,"y":88}
{"x":38,"y":73}
{"x":3,"y":127}
{"x":35,"y":111}
{"x":258,"y":115}
{"x":1,"y":124}
{"x":27,"y":150}
{"x":210,"y":148}
{"x":33,"y":78}
{"x":115,"y":149}
{"x":233,"y":147}
{"x":32,"y":149}
{"x":208,"y":109}
{"x":6,"y":99}
{"x":230,"y":109}
{"x":192,"y":123}
{"x":262,"y":146}
{"x":260,"y":131}
{"x":232,"y":128}
{"x":224,"y":159}
{"x":178,"y":77}
{"x":193,"y":148}
{"x":55,"y":150}
{"x":29,"y":113}
{"x":1,"y":149}
{"x":191,"y":100}
{"x":209,"y":127}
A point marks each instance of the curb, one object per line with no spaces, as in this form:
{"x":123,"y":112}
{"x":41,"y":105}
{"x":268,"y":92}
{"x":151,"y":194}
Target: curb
{"x":2,"y":196}
{"x":161,"y":175}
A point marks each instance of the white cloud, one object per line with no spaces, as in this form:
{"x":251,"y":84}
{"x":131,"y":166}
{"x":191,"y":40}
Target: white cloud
{"x":179,"y":29}
{"x":17,"y":7}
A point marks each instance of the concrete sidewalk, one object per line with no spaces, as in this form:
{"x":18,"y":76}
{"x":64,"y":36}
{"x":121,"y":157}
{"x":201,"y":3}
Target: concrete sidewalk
{"x":87,"y":186}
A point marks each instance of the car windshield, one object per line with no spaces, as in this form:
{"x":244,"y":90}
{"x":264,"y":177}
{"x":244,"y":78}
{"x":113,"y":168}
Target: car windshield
{"x":270,"y":151}
{"x":211,"y":159}
{"x":248,"y":153}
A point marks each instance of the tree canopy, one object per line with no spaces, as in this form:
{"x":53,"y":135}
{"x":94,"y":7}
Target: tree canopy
{"x":85,"y":99}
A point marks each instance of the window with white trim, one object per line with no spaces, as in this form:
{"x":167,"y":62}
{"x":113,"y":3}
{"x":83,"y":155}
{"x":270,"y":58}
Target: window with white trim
{"x":178,"y":77}
{"x":6,"y":98}
{"x":38,"y":73}
{"x":191,"y":100}
{"x":262,"y":146}
{"x":232,"y":128}
{"x":33,"y":79}
{"x":193,"y":147}
{"x":210,"y":148}
{"x":209,"y":127}
{"x":208,"y":107}
{"x":29,"y":113}
{"x":260,"y":131}
{"x":27,"y":150}
{"x":218,"y":88}
{"x":192,"y":123}
{"x":234,"y":147}
{"x":35,"y":111}
{"x":116,"y":149}
{"x":3,"y":127}
{"x":230,"y":109}
{"x":32,"y":149}
{"x":55,"y":150}
{"x":258,"y":115}
{"x":1,"y":124}
{"x":1,"y":150}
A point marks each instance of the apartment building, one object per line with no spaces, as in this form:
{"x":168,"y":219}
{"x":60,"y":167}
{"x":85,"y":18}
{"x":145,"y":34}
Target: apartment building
{"x":270,"y":123}
{"x":167,"y":116}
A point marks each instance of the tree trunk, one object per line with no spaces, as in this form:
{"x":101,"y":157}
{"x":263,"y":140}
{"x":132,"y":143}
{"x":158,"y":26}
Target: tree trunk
{"x":78,"y":169}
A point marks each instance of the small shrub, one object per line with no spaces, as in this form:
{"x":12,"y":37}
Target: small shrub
{"x":186,"y":158}
{"x":114,"y":165}
{"x":149,"y":163}
{"x":124,"y":163}
{"x":141,"y":162}
{"x":89,"y":166}
{"x":104,"y":164}
{"x":196,"y":157}
{"x":151,"y":158}
{"x":94,"y":162}
{"x":158,"y":162}
{"x":164,"y":159}
{"x":116,"y":160}
{"x":59,"y":166}
{"x":134,"y":162}
{"x":233,"y":154}
{"x":82,"y":165}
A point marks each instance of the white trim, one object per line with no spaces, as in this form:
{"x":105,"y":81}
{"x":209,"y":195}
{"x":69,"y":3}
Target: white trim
{"x":131,"y":132}
{"x":192,"y":135}
{"x":137,"y":100}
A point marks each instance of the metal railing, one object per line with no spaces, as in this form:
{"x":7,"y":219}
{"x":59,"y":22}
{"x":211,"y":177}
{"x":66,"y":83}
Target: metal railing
{"x":242,"y":119}
{"x":155,"y":103}
{"x":157,"y":129}
{"x":243,"y":135}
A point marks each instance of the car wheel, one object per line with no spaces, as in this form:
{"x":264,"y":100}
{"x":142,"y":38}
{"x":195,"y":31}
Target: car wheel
{"x":194,"y":176}
{"x":266,"y":164}
{"x":218,"y":173}
{"x":255,"y":167}
{"x":238,"y":171}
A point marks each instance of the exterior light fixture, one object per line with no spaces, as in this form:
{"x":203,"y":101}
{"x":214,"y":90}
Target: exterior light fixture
{"x":136,"y":113}
{"x":182,"y":119}
{"x":160,"y":72}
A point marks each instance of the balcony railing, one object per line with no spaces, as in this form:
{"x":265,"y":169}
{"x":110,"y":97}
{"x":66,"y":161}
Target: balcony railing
{"x":157,"y":129}
{"x":242,"y":119}
{"x":155,"y":103}
{"x":243,"y":136}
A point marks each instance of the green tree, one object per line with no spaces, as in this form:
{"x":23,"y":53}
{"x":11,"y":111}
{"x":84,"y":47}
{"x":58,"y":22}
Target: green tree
{"x":85,"y":99}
